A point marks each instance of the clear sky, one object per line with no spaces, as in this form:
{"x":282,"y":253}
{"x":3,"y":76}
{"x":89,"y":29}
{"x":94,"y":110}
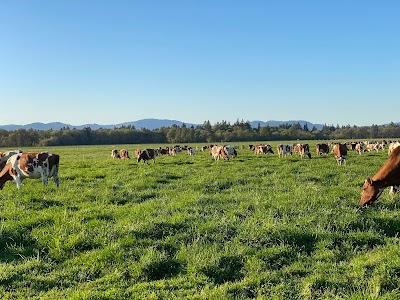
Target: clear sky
{"x":109,"y":62}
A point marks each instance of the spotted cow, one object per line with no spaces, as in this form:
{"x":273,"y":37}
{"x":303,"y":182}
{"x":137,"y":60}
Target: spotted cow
{"x":284,"y":150}
{"x":340,"y":153}
{"x":147,"y":154}
{"x":31,"y":165}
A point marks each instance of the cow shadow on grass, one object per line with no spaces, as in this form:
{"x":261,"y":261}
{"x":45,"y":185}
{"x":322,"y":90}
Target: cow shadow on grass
{"x":38,"y":204}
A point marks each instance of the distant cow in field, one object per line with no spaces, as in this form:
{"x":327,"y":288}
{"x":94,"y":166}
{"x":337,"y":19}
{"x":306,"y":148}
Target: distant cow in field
{"x":4,"y":156}
{"x":284,"y":150}
{"x":388,"y":175}
{"x":191,"y":151}
{"x":302,"y":150}
{"x":358,"y":148}
{"x":137,"y":152}
{"x":124,"y":154}
{"x":231,"y":151}
{"x":31,"y":165}
{"x":392,"y":146}
{"x":322,"y":149}
{"x":115,"y":154}
{"x":218,"y":152}
{"x":147,"y":154}
{"x":340,"y":153}
{"x":263,"y":149}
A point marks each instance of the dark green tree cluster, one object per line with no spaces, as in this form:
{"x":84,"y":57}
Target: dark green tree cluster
{"x":223,"y":132}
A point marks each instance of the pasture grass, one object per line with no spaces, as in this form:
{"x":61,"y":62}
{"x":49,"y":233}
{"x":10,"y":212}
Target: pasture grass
{"x":184,"y":227}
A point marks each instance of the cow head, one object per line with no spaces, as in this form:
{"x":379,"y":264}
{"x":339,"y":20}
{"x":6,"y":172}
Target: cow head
{"x":371,"y":190}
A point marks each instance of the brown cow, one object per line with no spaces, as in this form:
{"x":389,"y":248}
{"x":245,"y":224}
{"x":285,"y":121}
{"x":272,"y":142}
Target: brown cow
{"x":218,"y":152}
{"x":340,"y":153}
{"x":388,"y":175}
{"x":123,"y":153}
{"x":31,"y":165}
{"x":302,"y":149}
{"x":137,"y":152}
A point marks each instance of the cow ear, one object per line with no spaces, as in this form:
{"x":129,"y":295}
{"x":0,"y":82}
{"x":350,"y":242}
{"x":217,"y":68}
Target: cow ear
{"x":369,"y":180}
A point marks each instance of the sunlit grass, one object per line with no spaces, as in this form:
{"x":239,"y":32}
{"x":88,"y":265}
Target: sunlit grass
{"x":191,"y":227}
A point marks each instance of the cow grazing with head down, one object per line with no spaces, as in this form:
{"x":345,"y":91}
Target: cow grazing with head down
{"x":284,"y":150}
{"x":231,"y":151}
{"x":263,"y":149}
{"x":115,"y":154}
{"x":124,"y":154}
{"x":340,"y":153}
{"x":137,"y":152}
{"x":218,"y":152}
{"x":302,"y":150}
{"x":322,"y":149}
{"x":388,"y":175}
{"x":31,"y":165}
{"x":147,"y":154}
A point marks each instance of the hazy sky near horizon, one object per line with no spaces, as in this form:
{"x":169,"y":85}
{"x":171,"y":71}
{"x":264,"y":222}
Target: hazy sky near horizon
{"x":109,"y":62}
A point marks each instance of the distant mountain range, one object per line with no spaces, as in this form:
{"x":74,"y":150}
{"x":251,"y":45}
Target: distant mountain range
{"x":149,"y":124}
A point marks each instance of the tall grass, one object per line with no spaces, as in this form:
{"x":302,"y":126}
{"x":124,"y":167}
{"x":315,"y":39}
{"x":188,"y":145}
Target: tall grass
{"x":191,"y":227}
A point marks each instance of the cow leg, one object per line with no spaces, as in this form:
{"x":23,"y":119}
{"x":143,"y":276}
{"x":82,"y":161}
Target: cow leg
{"x":394,"y":189}
{"x":56,"y":180}
{"x":18,"y":181}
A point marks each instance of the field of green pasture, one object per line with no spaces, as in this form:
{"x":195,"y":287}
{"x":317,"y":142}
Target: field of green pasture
{"x":193,"y":228}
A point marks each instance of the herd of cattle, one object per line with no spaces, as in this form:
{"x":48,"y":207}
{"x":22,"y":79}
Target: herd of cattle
{"x":17,"y":165}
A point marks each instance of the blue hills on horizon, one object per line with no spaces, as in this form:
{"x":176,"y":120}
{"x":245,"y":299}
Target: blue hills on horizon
{"x":149,"y":124}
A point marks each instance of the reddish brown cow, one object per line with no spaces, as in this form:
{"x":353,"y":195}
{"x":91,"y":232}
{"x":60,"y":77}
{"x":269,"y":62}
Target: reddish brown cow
{"x":340,"y":153}
{"x":388,"y":175}
{"x":31,"y":165}
{"x":302,"y":150}
{"x":219,"y":152}
{"x":123,"y":153}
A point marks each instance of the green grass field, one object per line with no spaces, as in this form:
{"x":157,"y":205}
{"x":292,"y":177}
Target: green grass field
{"x":193,"y":228}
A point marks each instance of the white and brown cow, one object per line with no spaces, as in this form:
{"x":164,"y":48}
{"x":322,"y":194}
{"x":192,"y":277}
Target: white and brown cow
{"x":340,"y":153}
{"x":263,"y":149}
{"x":392,"y":146}
{"x":148,"y":154}
{"x":285,"y":149}
{"x":31,"y":165}
{"x":115,"y":154}
{"x":4,"y":156}
{"x":218,"y":152}
{"x":388,"y":175}
{"x":124,"y":154}
{"x":302,"y":150}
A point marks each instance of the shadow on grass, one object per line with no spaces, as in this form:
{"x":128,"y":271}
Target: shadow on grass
{"x":38,"y":204}
{"x":226,"y":269}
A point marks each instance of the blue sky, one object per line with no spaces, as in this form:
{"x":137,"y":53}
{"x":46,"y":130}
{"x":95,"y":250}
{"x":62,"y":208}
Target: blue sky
{"x":108,"y":62}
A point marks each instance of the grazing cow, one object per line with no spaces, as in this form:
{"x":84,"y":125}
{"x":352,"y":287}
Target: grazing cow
{"x":392,"y":146}
{"x":388,"y":175}
{"x":358,"y":148}
{"x":31,"y":165}
{"x":4,"y":156}
{"x":218,"y":152}
{"x":231,"y":151}
{"x":322,"y":148}
{"x":191,"y":151}
{"x":115,"y":154}
{"x":302,"y":149}
{"x":123,"y":153}
{"x":340,"y":153}
{"x":137,"y":152}
{"x":263,"y":149}
{"x":147,"y":154}
{"x":284,"y":149}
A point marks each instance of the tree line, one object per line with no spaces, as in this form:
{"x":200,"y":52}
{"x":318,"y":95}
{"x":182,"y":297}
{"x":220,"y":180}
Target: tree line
{"x":221,"y":132}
